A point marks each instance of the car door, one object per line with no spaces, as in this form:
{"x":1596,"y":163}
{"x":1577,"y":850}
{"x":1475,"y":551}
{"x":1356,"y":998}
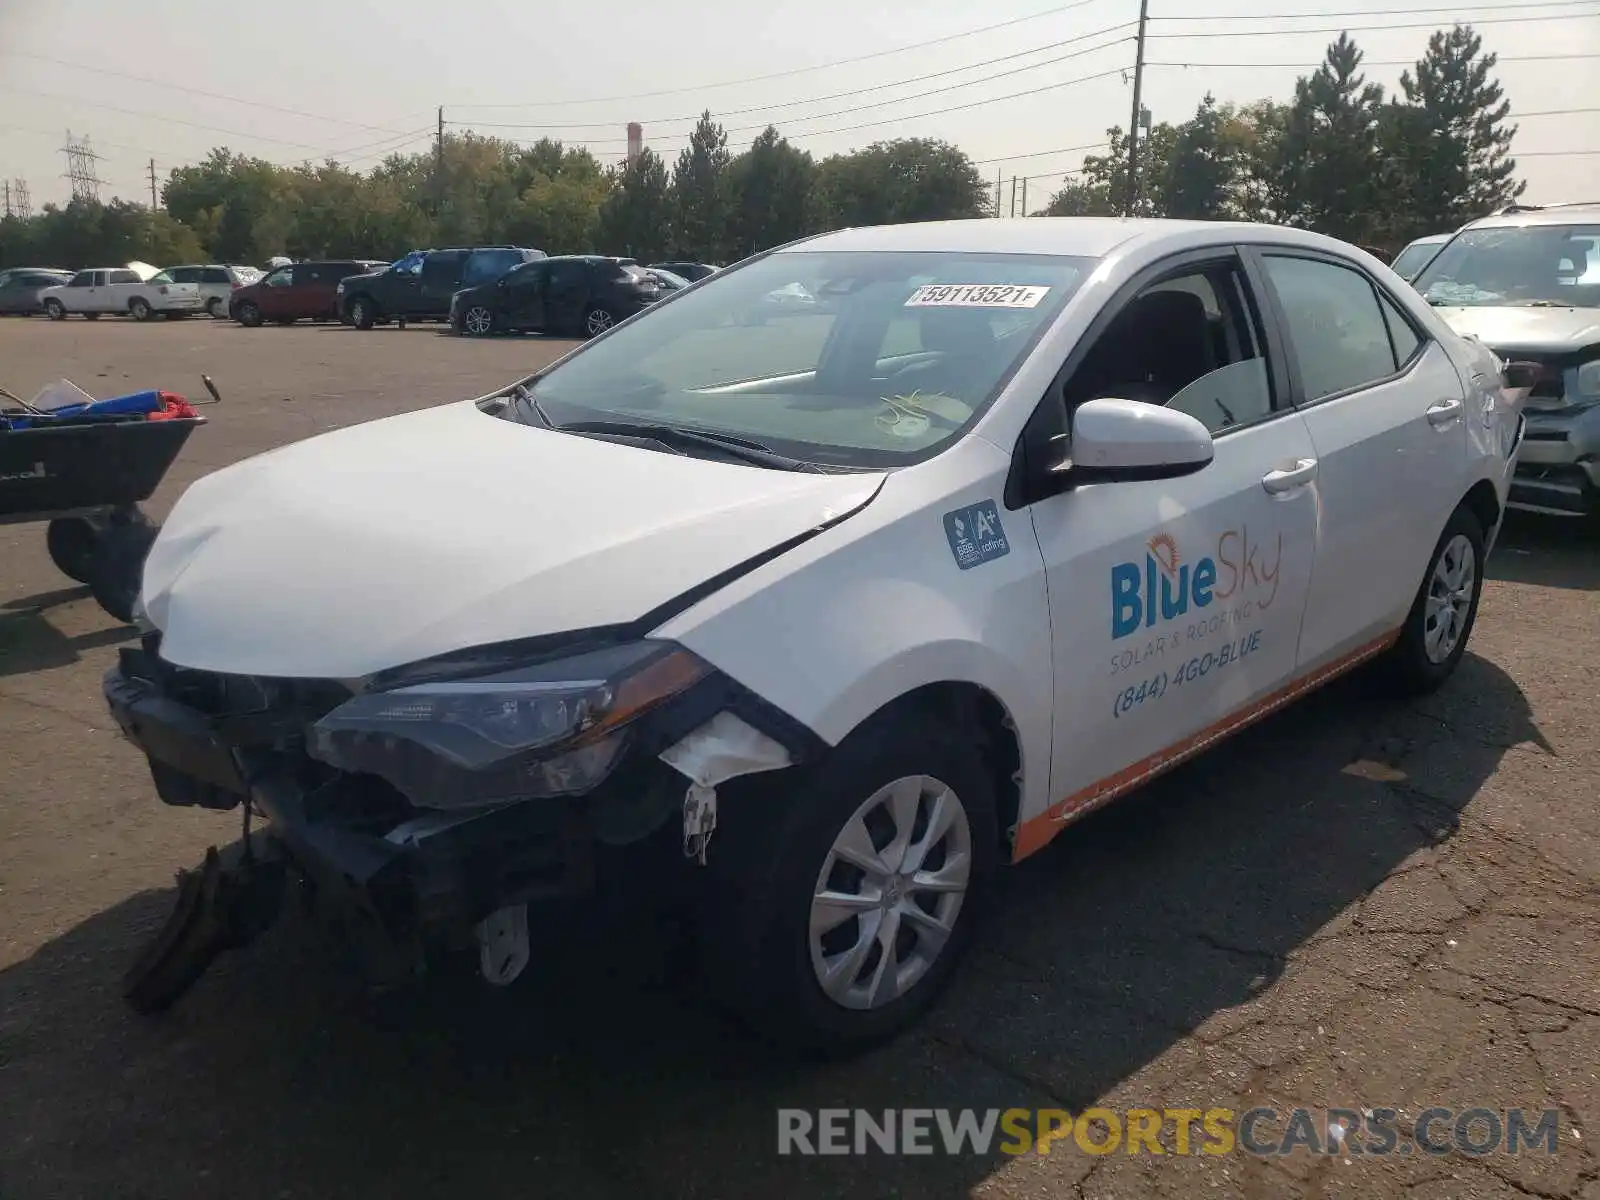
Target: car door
{"x":1175,"y":604}
{"x":120,"y":287}
{"x":566,"y":294}
{"x":15,"y":292}
{"x":441,"y":276}
{"x":1384,"y":405}
{"x":522,"y":304}
{"x":303,"y":297}
{"x":74,"y":296}
{"x":276,"y":295}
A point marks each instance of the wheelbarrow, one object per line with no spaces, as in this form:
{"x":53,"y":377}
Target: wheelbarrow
{"x":83,"y":466}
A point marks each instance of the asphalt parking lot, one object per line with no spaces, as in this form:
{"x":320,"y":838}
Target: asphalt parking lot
{"x":1358,"y":904}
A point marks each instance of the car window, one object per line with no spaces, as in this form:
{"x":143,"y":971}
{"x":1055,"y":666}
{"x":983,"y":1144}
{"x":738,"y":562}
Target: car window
{"x":160,"y":277}
{"x":411,"y":264}
{"x":1413,"y":258}
{"x":568,"y":274}
{"x":484,"y":266}
{"x":1188,"y":342}
{"x":128,"y":277}
{"x":1402,"y":334}
{"x":443,"y":266}
{"x":1337,"y":329}
{"x":304,"y":273}
{"x":1520,"y":265}
{"x":214,"y":275}
{"x":82,"y":279}
{"x":282,"y":277}
{"x":527,"y":277}
{"x":183,"y":274}
{"x":824,"y":381}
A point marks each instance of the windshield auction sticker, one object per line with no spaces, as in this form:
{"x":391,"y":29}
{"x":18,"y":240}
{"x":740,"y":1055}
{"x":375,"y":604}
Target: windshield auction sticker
{"x":977,"y":295}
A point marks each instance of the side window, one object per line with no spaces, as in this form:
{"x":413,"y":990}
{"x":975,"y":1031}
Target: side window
{"x":568,"y":275}
{"x":411,"y":264}
{"x":441,"y":268}
{"x":485,"y":266}
{"x":282,"y":277}
{"x":1338,"y":330}
{"x":124,"y":277}
{"x":183,"y":275}
{"x":304,"y":273}
{"x":215,"y":275}
{"x":1402,"y":334}
{"x":82,"y":279}
{"x":529,"y":278}
{"x":1187,"y":342}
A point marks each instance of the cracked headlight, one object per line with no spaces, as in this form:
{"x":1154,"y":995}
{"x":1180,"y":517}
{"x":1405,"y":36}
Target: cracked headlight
{"x":550,"y":729}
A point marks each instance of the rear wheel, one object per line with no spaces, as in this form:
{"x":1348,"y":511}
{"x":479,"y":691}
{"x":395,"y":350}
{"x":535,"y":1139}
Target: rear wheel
{"x":139,"y":308}
{"x":217,"y":307}
{"x":1441,"y":618}
{"x":839,"y":908}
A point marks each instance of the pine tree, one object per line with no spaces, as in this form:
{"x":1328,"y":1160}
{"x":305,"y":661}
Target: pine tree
{"x":1330,"y":149}
{"x":699,"y":183}
{"x":1467,"y":169}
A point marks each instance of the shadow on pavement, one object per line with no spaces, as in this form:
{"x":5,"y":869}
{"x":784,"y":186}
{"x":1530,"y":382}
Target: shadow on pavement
{"x":1546,"y":551}
{"x":30,"y":642}
{"x":606,"y":1074}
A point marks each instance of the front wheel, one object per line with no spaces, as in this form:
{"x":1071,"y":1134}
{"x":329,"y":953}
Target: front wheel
{"x":1446,"y":606}
{"x":477,"y":321}
{"x":362,"y":313}
{"x":248,"y":314}
{"x":597,"y":320}
{"x":139,"y":308}
{"x":72,"y":542}
{"x":54,"y":310}
{"x":117,"y":570}
{"x":838,"y":909}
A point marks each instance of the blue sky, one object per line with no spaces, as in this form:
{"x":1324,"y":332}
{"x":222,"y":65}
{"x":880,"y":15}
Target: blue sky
{"x":361,"y":77}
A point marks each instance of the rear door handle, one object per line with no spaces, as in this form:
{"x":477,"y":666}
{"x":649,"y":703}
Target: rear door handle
{"x":1445,"y":411}
{"x":1287,"y":479}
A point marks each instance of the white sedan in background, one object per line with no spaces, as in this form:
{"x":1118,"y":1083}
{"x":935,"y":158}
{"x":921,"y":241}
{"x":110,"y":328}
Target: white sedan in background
{"x":855,"y":609}
{"x":136,"y":290}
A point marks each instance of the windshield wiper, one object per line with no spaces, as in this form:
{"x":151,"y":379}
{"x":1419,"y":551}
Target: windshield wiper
{"x":522,"y":396}
{"x":676,"y":437}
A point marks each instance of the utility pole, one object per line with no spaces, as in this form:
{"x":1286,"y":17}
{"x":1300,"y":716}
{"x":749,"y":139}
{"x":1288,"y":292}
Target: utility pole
{"x":1013,"y":195}
{"x":438,"y":169}
{"x":153,"y":204}
{"x":999,"y":186}
{"x":1138,"y":111}
{"x":8,"y":197}
{"x":1024,"y":195}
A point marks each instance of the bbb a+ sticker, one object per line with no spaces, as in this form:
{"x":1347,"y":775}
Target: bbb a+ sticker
{"x":975,"y":534}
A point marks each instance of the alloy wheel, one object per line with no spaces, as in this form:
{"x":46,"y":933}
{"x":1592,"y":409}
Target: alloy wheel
{"x":598,"y":321}
{"x":890,"y":892}
{"x":1449,"y":600}
{"x":477,"y":321}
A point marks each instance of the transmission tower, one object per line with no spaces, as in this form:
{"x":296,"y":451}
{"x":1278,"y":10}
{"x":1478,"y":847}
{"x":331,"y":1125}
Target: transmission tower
{"x":81,"y":160}
{"x":20,"y":205}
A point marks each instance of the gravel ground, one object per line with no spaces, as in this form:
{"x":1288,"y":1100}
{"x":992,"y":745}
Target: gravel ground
{"x":1356,"y":904}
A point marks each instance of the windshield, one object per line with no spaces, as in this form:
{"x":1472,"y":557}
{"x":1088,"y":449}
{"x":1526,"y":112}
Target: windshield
{"x":160,"y":277}
{"x":1543,"y":265}
{"x":1413,"y":258}
{"x":889,"y":357}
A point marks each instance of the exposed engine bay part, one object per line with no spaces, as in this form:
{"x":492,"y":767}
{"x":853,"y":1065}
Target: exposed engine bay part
{"x":724,"y":748}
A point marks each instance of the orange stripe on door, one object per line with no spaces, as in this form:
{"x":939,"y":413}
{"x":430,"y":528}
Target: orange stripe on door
{"x":1037,"y":831}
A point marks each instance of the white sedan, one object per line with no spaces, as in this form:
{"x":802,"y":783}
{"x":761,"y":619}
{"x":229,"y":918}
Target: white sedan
{"x":825,"y":620}
{"x":139,"y":294}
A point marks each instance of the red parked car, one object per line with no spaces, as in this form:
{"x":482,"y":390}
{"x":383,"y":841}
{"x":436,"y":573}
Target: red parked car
{"x":301,"y":290}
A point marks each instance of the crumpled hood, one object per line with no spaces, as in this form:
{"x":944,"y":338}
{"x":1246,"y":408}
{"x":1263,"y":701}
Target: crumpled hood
{"x":1530,"y":330}
{"x":416,"y":535}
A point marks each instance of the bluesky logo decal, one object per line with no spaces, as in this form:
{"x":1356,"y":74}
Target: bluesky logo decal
{"x":1164,"y":587}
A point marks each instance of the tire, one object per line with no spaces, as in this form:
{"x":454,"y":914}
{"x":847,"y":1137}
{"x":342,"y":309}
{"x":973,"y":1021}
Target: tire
{"x":1447,"y":601}
{"x":139,"y":308}
{"x":72,"y":542}
{"x":54,"y":310}
{"x":248,"y":314}
{"x":117,"y":570}
{"x":216,"y":308}
{"x":597,"y":320}
{"x":91,"y":316}
{"x":363,"y":313}
{"x":477,"y":321}
{"x":777,"y":852}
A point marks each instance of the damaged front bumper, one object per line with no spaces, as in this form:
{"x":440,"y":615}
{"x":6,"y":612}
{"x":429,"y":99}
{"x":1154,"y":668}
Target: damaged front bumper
{"x":416,"y":882}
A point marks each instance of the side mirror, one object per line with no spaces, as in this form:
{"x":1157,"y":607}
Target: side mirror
{"x":1117,"y":441}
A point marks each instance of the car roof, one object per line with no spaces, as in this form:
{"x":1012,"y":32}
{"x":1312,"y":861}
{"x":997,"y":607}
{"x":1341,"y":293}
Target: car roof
{"x":1087,"y":237}
{"x":1581,"y":212}
{"x":1432,"y":239}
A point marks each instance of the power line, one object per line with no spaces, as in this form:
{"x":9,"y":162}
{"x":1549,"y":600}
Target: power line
{"x":1380,"y":12}
{"x":1244,"y":33}
{"x":178,"y":87}
{"x":1552,"y":153}
{"x":861,"y":91}
{"x":838,"y":62}
{"x":979,"y":162}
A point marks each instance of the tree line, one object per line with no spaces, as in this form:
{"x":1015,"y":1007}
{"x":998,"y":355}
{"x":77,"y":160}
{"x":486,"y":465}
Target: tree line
{"x":1340,"y":157}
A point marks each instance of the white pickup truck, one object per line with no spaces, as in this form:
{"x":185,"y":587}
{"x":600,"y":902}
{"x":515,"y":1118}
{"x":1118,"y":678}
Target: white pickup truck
{"x":121,"y":290}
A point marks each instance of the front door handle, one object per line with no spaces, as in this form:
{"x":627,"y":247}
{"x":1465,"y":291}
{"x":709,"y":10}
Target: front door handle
{"x":1444,"y":412}
{"x":1287,"y":479}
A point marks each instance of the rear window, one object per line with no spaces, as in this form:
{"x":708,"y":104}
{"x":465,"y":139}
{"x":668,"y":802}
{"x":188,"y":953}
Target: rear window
{"x":215,"y":275}
{"x":127,"y":277}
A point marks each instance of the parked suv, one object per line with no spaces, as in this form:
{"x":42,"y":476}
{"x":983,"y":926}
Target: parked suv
{"x":418,"y":287}
{"x":301,"y":290}
{"x":1526,"y":282}
{"x":20,"y":288}
{"x":582,"y":294}
{"x":216,"y":282}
